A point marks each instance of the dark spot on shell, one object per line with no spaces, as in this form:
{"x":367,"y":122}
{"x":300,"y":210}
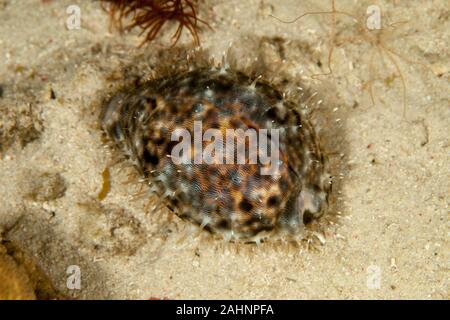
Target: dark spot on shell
{"x":170,"y":146}
{"x":150,"y":158}
{"x":223,"y":224}
{"x":273,"y":201}
{"x":174,"y":202}
{"x":151,"y":102}
{"x":211,"y":116}
{"x":271,"y":113}
{"x":245,"y":205}
{"x":307,"y":217}
{"x":159,"y":141}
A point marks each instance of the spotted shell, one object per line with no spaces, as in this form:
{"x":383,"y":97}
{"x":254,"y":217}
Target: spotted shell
{"x":233,"y":200}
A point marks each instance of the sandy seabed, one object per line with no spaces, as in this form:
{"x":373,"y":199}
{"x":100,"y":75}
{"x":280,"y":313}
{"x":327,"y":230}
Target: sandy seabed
{"x":391,"y":166}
